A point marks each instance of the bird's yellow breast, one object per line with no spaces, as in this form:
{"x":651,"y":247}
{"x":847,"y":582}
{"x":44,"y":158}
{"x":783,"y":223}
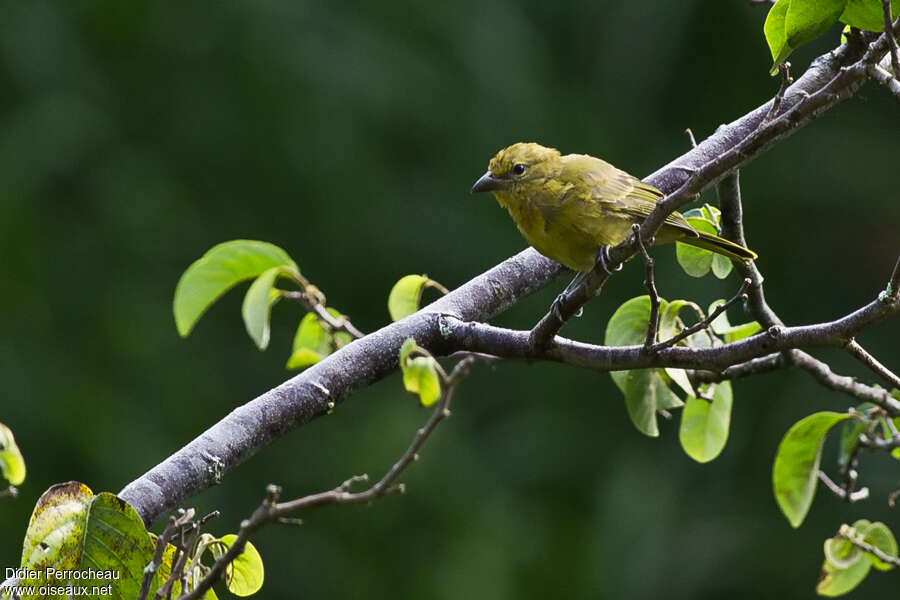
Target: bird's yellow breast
{"x":554,"y":219}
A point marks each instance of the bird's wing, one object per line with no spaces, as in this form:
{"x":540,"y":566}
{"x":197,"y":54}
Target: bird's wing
{"x":616,"y":191}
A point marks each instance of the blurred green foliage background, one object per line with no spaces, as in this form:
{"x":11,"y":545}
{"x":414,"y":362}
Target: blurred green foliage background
{"x":134,"y":136}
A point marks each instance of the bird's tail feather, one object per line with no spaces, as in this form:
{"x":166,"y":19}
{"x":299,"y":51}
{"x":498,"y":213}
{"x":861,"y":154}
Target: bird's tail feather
{"x":719,"y":245}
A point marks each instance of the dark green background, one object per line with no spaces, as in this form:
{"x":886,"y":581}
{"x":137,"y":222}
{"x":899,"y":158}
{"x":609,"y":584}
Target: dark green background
{"x":134,"y":136}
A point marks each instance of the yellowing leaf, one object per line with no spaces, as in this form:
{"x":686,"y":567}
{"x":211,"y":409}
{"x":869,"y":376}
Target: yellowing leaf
{"x":302,"y":358}
{"x":406,"y":295}
{"x":73,"y":529}
{"x":244,"y":576}
{"x":420,"y":377}
{"x":421,"y":374}
{"x":12,"y":464}
{"x":313,"y":342}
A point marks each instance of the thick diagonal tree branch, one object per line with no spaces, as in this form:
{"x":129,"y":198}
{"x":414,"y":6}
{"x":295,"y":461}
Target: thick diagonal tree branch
{"x":201,"y":463}
{"x":831,"y":78}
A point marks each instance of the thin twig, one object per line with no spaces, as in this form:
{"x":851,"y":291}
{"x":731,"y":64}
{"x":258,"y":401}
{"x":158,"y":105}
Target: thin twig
{"x":272,"y":510}
{"x":729,"y":193}
{"x":786,"y":81}
{"x":892,"y":499}
{"x":882,"y":76}
{"x":704,"y":323}
{"x":893,"y":288}
{"x":650,"y":283}
{"x":822,"y":373}
{"x":754,"y":366}
{"x":891,"y":38}
{"x":312,"y":304}
{"x":850,"y":534}
{"x":860,"y":494}
{"x":878,"y":443}
{"x":849,"y":474}
{"x":691,"y":137}
{"x":161,"y":542}
{"x":863,"y":356}
{"x":10,"y":492}
{"x":165,"y":590}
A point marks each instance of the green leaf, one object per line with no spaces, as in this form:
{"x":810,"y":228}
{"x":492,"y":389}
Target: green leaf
{"x":406,"y":295}
{"x":867,"y":14}
{"x":850,"y":432}
{"x":739,"y":332}
{"x":837,"y":581}
{"x":841,"y":552}
{"x":879,"y":535}
{"x":244,"y":576}
{"x":645,"y":391}
{"x":696,"y":262}
{"x":73,"y":529}
{"x":420,"y":377}
{"x":258,"y":304}
{"x":313,"y":342}
{"x":731,"y":333}
{"x":808,"y":19}
{"x":645,"y":395}
{"x":775,"y":34}
{"x":217,"y":271}
{"x":406,"y":349}
{"x":668,"y":328}
{"x":796,"y":468}
{"x":12,"y":464}
{"x":302,"y":358}
{"x":792,"y":23}
{"x":704,"y":424}
{"x":193,"y":575}
{"x":668,"y":318}
{"x":420,"y":373}
{"x":681,"y":379}
{"x":628,"y":325}
{"x":721,"y":266}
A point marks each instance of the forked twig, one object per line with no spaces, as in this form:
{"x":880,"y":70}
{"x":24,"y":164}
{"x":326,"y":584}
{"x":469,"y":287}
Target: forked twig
{"x":704,"y":323}
{"x":650,"y":283}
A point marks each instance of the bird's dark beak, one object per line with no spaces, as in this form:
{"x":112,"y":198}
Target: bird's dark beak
{"x":488,"y":183}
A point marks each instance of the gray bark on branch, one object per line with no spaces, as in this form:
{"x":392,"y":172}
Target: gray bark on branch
{"x":440,"y":327}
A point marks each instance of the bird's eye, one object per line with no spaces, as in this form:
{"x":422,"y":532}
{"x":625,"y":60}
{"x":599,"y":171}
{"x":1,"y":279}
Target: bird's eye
{"x":518,"y":169}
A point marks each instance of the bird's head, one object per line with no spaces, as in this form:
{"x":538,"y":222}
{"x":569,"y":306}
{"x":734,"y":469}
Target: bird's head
{"x":521,"y":162}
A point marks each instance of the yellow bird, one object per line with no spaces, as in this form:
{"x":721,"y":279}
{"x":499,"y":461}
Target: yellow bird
{"x":570,"y":208}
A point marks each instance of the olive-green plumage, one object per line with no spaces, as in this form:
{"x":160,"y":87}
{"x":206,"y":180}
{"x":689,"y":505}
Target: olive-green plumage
{"x":567,"y":207}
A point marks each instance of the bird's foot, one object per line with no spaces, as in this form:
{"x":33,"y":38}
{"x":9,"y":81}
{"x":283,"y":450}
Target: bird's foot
{"x":603,"y":260}
{"x":555,"y":307}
